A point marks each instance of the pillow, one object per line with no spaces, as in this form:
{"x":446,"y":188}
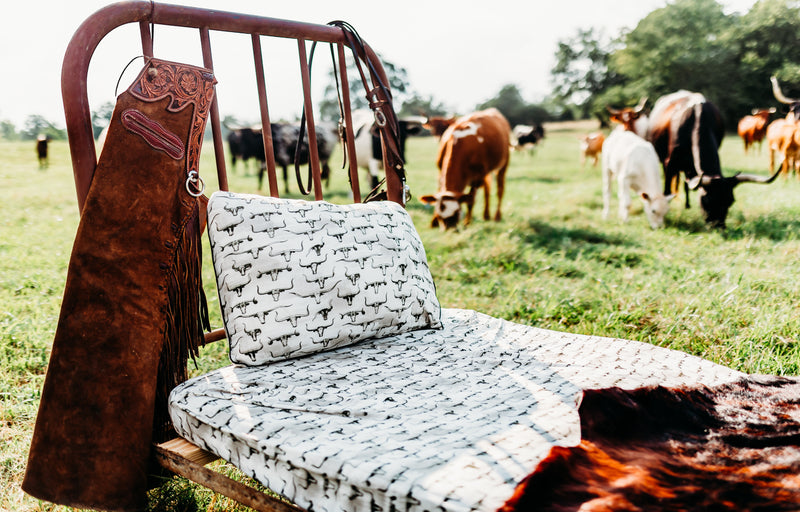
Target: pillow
{"x":296,"y":277}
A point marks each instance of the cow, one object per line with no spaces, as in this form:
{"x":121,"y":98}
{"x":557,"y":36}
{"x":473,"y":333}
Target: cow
{"x":367,"y":141}
{"x":591,"y":147}
{"x":686,"y":131}
{"x":437,"y":125}
{"x":783,"y":135}
{"x":249,"y":143}
{"x":471,"y":150}
{"x":632,"y":119}
{"x":41,"y":151}
{"x":526,"y":136}
{"x":244,"y":147}
{"x":632,"y":163}
{"x":753,"y":128}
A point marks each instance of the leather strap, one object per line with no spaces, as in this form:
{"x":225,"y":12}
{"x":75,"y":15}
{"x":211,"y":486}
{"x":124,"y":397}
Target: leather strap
{"x":379,"y":99}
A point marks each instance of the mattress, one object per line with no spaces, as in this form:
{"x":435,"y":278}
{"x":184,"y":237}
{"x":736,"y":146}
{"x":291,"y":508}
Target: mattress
{"x":449,"y":419}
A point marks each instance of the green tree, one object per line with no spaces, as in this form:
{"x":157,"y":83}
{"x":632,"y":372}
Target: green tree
{"x":582,"y":70}
{"x":36,"y":125}
{"x":398,"y":83}
{"x":684,"y":45}
{"x":766,"y":40}
{"x":509,"y":101}
{"x":101,"y":117}
{"x":8,"y":131}
{"x":417,"y":105}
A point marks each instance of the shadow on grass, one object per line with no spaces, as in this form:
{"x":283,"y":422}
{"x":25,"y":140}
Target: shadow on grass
{"x":768,"y":226}
{"x":575,"y":243}
{"x":778,"y":227}
{"x":555,"y":238}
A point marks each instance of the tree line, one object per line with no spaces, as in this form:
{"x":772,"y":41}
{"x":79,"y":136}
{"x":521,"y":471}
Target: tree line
{"x":688,"y":44}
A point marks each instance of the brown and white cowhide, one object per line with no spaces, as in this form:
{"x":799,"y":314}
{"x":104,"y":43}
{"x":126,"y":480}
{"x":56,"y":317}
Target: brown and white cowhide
{"x":732,"y":447}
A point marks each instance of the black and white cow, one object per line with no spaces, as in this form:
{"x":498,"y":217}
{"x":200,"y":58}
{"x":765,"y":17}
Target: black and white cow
{"x":246,"y":143}
{"x":369,"y":154}
{"x":686,"y":131}
{"x":526,"y":136}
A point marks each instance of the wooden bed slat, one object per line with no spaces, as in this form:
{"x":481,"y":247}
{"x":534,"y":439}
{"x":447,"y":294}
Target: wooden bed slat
{"x":187,"y":460}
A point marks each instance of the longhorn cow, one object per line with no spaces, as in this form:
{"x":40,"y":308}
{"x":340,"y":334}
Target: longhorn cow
{"x":472,"y":149}
{"x":753,"y":128}
{"x":686,"y":131}
{"x":783,"y":135}
{"x":633,"y":119}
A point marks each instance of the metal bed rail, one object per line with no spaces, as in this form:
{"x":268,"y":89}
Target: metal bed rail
{"x":74,"y":77}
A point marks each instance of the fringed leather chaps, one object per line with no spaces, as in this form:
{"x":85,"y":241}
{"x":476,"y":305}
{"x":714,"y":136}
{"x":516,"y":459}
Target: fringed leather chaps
{"x":131,"y":312}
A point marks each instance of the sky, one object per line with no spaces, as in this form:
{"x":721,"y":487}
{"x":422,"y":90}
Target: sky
{"x":461,"y":53}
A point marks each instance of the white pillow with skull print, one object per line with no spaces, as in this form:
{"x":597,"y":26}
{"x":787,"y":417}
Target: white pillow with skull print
{"x":296,"y":277}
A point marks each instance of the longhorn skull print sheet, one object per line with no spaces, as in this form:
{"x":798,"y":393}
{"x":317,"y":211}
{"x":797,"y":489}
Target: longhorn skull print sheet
{"x":433,"y":419}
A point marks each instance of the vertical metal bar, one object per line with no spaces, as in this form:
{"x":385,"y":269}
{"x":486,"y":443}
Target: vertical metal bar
{"x":147,"y":38}
{"x":352,"y":159}
{"x":266,"y":131}
{"x":219,"y":150}
{"x":313,"y":154}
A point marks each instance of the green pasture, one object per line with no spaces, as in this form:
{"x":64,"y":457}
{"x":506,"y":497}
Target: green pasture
{"x":728,"y":296}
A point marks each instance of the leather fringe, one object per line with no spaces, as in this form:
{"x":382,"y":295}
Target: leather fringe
{"x":187,"y":317}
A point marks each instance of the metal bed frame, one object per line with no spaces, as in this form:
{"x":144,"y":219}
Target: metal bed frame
{"x":178,"y":455}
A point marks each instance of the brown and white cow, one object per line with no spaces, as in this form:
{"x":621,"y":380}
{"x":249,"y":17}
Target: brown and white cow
{"x":753,"y":128}
{"x":783,"y":135}
{"x":591,"y":146}
{"x":471,"y":150}
{"x":438,"y":124}
{"x":632,"y":118}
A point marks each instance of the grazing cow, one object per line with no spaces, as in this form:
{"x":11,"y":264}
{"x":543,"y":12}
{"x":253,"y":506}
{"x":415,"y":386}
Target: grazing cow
{"x":591,"y":146}
{"x":437,"y":125}
{"x":632,"y":119}
{"x":249,"y":143}
{"x":753,"y":128}
{"x":632,"y":162}
{"x":41,"y":151}
{"x":783,"y":135}
{"x":686,"y":131}
{"x":471,"y":150}
{"x":367,"y":141}
{"x":526,"y":136}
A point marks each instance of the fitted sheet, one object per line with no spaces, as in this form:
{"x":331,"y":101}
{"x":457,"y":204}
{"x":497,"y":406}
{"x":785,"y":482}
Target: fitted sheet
{"x":448,"y":419}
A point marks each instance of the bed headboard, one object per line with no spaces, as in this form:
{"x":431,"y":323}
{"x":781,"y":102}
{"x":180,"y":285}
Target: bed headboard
{"x":148,"y":14}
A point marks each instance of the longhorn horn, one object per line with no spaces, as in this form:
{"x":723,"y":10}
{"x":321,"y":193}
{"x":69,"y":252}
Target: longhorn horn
{"x":642,"y":102}
{"x":755,"y":178}
{"x":699,"y":180}
{"x":614,"y":111}
{"x":776,"y":91}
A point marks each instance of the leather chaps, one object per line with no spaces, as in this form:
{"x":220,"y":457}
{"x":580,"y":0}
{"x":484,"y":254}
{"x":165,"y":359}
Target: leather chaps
{"x":133,"y":309}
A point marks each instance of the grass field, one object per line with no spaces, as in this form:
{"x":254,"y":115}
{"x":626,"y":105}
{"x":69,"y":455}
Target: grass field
{"x":552,"y":262}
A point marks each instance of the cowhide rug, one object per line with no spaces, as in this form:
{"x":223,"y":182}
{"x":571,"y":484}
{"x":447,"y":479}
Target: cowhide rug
{"x":733,"y":447}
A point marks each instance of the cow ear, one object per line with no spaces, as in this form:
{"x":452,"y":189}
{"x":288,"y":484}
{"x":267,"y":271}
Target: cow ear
{"x":428,"y":199}
{"x":463,"y":198}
